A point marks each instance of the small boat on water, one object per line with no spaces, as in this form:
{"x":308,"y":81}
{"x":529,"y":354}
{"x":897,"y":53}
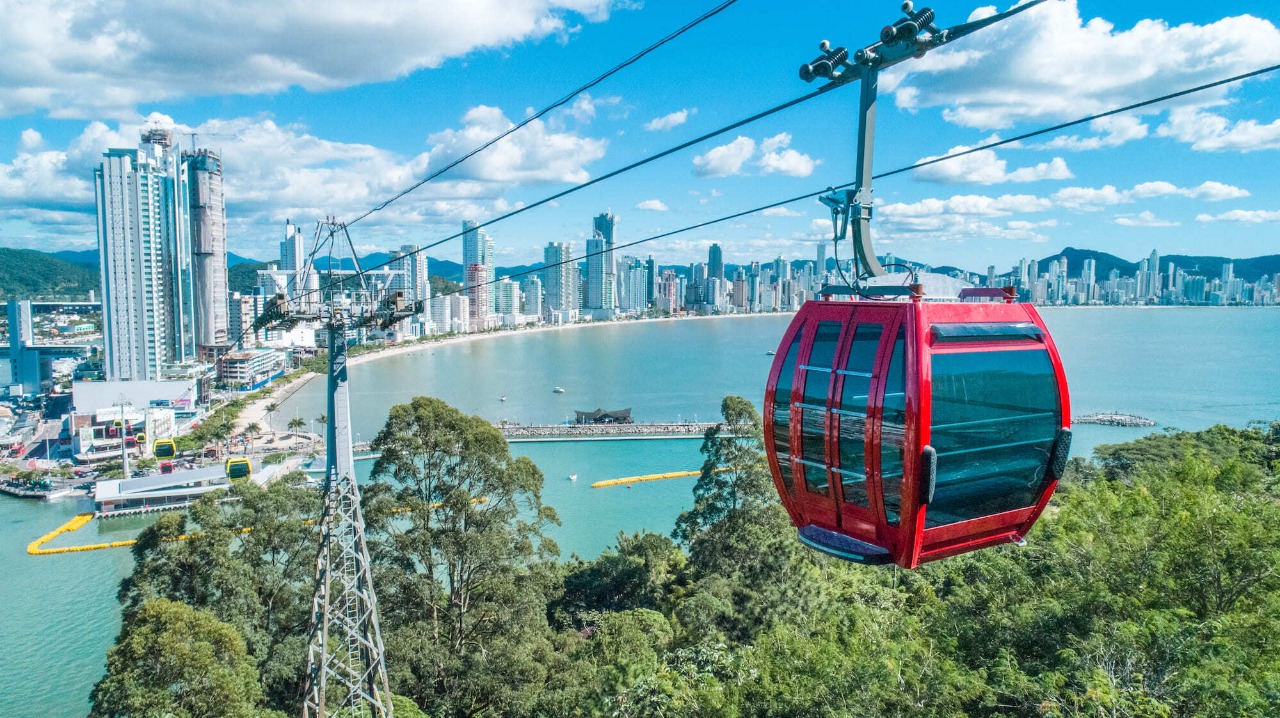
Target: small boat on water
{"x":558,"y":390}
{"x":504,"y":398}
{"x":573,"y":477}
{"x":770,"y":353}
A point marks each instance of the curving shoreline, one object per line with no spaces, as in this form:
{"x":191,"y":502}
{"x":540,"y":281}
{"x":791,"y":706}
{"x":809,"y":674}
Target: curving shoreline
{"x":256,"y":410}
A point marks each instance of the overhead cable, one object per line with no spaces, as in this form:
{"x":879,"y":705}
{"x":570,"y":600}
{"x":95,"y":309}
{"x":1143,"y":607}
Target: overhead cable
{"x":558,"y":103}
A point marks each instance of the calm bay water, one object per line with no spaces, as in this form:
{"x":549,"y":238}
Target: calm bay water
{"x":1186,"y":368}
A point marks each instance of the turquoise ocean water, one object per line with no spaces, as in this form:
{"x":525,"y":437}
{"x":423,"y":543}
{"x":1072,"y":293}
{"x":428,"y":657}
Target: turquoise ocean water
{"x":1187,"y":368}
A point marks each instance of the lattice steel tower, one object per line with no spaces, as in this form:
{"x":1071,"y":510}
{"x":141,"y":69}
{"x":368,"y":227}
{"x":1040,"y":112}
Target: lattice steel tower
{"x":346,"y":662}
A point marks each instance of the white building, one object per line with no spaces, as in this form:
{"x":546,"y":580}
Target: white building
{"x":560,"y":279}
{"x":162,"y":248}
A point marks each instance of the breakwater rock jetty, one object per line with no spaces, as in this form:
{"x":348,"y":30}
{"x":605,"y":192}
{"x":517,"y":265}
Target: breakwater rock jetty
{"x":1112,"y":418}
{"x":563,"y":432}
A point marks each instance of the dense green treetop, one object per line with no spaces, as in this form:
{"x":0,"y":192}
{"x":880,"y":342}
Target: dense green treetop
{"x":1149,"y":589}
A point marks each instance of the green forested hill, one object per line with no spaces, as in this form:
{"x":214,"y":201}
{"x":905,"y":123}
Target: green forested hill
{"x":29,"y":274}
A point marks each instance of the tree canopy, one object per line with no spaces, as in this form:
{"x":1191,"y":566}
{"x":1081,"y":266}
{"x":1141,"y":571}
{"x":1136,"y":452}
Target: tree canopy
{"x":1150,"y":588}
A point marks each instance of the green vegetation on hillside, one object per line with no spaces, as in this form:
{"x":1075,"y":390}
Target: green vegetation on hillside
{"x":1149,"y":589}
{"x":440,"y":285}
{"x":30,"y":274}
{"x":243,"y":277}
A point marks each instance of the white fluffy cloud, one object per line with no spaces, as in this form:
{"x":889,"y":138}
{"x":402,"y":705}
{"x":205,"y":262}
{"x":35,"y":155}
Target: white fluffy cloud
{"x":986,"y":168}
{"x":1143,"y":219}
{"x":1091,"y":199}
{"x":780,"y":212}
{"x":666,"y":122}
{"x":276,"y":172}
{"x":1048,"y":63}
{"x":653,"y":205}
{"x":779,"y":157}
{"x":1209,"y":132}
{"x":1111,"y":132}
{"x":82,"y":59}
{"x":966,"y":216}
{"x":776,"y":157}
{"x":535,"y":153}
{"x":725,"y":160}
{"x":1248,"y":216}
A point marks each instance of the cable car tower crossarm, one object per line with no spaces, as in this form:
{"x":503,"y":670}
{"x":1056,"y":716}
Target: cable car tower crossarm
{"x":910,"y":37}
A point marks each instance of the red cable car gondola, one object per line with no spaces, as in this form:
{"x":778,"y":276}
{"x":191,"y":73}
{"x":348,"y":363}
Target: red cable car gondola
{"x":909,"y":431}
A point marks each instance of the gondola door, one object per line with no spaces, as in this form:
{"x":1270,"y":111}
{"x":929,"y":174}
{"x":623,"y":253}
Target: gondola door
{"x":811,"y":417}
{"x":857,"y":404}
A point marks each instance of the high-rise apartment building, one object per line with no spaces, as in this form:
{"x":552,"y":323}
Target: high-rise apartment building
{"x":560,"y":277}
{"x":715,"y":262}
{"x":531,"y":287}
{"x":200,"y":183}
{"x":410,"y":268}
{"x":602,"y":271}
{"x":162,"y":240}
{"x":477,"y":249}
{"x":135,"y":200}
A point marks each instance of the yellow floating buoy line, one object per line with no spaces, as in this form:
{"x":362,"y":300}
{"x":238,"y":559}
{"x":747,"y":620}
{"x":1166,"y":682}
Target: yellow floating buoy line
{"x":651,"y":477}
{"x":81,"y":520}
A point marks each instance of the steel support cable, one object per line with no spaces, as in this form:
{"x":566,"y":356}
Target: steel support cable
{"x":890,"y":173}
{"x":558,"y":103}
{"x":607,"y":176}
{"x":809,"y":195}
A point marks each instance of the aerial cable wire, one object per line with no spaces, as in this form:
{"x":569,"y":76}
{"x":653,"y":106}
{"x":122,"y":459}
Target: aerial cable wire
{"x":780,"y":203}
{"x":558,"y":103}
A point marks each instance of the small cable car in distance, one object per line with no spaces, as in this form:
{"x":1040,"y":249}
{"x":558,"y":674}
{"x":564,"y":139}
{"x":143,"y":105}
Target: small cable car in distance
{"x":164,"y":449}
{"x":908,"y":431}
{"x":901,"y":430}
{"x":238,"y":467}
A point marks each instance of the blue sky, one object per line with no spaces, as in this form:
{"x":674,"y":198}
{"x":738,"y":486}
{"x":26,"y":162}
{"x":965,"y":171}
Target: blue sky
{"x":324,"y":108}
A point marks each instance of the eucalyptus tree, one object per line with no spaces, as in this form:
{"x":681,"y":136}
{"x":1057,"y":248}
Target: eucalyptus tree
{"x":466,"y":571}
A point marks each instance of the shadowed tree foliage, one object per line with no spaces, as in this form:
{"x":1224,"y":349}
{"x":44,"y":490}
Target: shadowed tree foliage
{"x":174,"y":660}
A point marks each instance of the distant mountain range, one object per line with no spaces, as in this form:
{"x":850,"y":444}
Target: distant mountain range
{"x":73,"y":274}
{"x":90,"y":256}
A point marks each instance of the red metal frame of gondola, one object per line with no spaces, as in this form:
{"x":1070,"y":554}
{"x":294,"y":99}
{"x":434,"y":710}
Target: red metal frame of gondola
{"x":910,"y":542}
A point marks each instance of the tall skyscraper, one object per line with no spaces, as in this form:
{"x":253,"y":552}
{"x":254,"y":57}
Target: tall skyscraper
{"x":602,"y":271}
{"x":560,"y":278}
{"x":162,"y":239}
{"x":480,"y":294}
{"x":477,"y":250}
{"x":412,"y":278}
{"x":1153,"y":266}
{"x":651,"y":269}
{"x":201,"y":182}
{"x":822,"y":258}
{"x":715,"y":262}
{"x":135,"y":197}
{"x":531,"y":288}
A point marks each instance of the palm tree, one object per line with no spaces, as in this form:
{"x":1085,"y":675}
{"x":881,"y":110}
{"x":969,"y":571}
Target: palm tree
{"x":270,"y":409}
{"x":252,"y":431}
{"x":296,"y":423}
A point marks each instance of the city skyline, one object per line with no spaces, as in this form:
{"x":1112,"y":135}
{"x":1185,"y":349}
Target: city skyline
{"x":1191,"y":178}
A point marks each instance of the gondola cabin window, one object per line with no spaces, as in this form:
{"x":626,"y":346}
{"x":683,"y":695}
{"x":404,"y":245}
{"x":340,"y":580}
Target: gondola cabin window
{"x":893,"y":429}
{"x":852,"y":413}
{"x":995,"y":417}
{"x":782,"y":411}
{"x":813,"y":407}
